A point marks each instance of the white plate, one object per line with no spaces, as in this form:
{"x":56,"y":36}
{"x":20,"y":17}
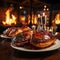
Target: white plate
{"x":53,"y":47}
{"x":4,"y":36}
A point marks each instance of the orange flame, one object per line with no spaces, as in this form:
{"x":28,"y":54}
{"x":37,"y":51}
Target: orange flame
{"x":9,"y":20}
{"x":28,"y":19}
{"x":24,"y":20}
{"x":34,"y":19}
{"x":57,"y":19}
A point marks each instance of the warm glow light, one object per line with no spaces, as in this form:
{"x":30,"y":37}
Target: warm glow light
{"x":25,"y":20}
{"x":39,"y":16}
{"x":9,"y":20}
{"x":34,"y":20}
{"x":22,"y":18}
{"x":21,"y":7}
{"x":57,"y":19}
{"x":33,"y":27}
{"x":44,"y":9}
{"x":45,"y":6}
{"x":50,"y":30}
{"x":47,"y":9}
{"x":43,"y":13}
{"x":28,"y":19}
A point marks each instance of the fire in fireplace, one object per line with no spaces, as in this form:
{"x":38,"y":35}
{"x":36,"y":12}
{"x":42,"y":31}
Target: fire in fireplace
{"x":57,"y":19}
{"x":10,"y":18}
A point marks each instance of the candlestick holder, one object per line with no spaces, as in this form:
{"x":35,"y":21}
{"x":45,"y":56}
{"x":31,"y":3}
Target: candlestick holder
{"x":39,"y":27}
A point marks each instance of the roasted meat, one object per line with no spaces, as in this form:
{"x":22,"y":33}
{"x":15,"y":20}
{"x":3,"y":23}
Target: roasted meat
{"x":42,"y":39}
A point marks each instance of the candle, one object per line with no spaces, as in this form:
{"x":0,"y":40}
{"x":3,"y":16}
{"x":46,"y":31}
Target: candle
{"x":44,"y":27}
{"x":45,"y":19}
{"x":41,"y":20}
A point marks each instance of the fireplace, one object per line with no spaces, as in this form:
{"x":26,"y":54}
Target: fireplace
{"x":13,"y":14}
{"x":56,"y":20}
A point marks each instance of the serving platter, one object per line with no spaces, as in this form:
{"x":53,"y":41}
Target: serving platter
{"x":55,"y":46}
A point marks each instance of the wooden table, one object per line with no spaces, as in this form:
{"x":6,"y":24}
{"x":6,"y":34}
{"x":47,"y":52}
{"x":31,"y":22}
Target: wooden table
{"x":8,"y":53}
